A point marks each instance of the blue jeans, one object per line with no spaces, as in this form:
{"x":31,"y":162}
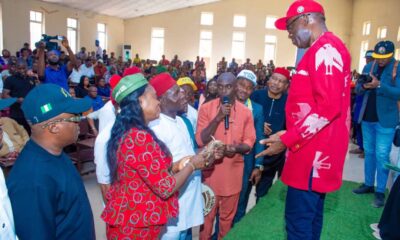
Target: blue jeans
{"x":377,"y":146}
{"x":304,"y":214}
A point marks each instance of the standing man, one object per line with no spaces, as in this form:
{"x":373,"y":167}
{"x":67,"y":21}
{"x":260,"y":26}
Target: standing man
{"x":253,"y":167}
{"x":273,"y":100}
{"x":379,"y":123}
{"x":56,"y":72}
{"x":177,"y":139}
{"x":232,"y":123}
{"x":47,"y":194}
{"x":317,"y":119}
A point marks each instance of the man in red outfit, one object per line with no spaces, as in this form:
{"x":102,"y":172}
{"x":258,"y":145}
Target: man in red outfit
{"x":317,"y":119}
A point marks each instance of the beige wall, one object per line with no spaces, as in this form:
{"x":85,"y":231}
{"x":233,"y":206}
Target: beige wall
{"x":379,"y":13}
{"x":16,"y":24}
{"x":182,"y":29}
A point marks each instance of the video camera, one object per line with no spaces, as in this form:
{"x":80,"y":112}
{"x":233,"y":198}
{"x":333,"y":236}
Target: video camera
{"x":47,"y":40}
{"x":364,"y":78}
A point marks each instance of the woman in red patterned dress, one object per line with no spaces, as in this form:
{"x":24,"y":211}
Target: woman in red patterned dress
{"x":143,"y":194}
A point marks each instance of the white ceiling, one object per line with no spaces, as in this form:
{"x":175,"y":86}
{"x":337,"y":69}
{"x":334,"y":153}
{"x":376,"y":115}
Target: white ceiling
{"x":129,"y":8}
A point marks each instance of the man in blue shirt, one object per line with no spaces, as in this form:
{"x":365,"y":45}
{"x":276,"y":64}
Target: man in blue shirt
{"x":47,"y":195}
{"x":97,"y":101}
{"x":55,"y":72}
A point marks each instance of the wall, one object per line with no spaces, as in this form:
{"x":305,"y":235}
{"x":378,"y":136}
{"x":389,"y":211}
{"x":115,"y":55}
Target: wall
{"x":379,"y":13}
{"x":16,"y":24}
{"x":182,"y":29}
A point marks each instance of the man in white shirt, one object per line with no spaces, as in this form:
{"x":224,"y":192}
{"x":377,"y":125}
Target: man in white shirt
{"x":87,"y":69}
{"x":172,"y":130}
{"x":106,"y":116}
{"x":76,"y":74}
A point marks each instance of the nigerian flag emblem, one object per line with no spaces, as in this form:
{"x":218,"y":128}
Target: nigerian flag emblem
{"x":46,"y":108}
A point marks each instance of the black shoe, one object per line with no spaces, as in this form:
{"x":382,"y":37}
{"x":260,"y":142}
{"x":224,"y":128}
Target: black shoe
{"x":379,"y":200}
{"x":364,"y":189}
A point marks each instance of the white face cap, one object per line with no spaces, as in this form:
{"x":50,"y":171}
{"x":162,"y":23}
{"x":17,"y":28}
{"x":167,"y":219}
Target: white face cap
{"x":249,"y":75}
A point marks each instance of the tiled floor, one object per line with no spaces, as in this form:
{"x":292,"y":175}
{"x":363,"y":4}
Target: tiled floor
{"x":353,"y":171}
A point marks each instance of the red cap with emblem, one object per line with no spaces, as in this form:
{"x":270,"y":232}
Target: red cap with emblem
{"x":299,"y":7}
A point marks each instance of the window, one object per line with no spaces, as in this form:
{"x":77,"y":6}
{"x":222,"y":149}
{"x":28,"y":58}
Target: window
{"x":238,"y":46}
{"x":205,"y":46}
{"x":398,"y":35}
{"x":239,"y":21}
{"x":363,"y":50}
{"x":157,"y":43}
{"x":366,"y":28}
{"x":36,"y":27}
{"x":72,"y":30}
{"x":382,"y":32}
{"x":207,"y":18}
{"x":397,"y":54}
{"x":270,"y":22}
{"x":270,"y":48}
{"x":102,"y":35}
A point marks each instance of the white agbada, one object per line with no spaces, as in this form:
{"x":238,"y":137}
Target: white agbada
{"x":7,"y":229}
{"x":174,"y":133}
{"x":192,"y":115}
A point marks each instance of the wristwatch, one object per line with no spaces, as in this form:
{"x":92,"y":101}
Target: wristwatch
{"x":260,"y":167}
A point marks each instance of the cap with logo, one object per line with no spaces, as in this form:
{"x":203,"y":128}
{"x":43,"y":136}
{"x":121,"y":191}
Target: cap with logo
{"x":127,"y":85}
{"x":383,"y":49}
{"x":282,"y":71}
{"x":297,"y":8}
{"x":249,"y":75}
{"x":49,"y":100}
{"x":188,"y":81}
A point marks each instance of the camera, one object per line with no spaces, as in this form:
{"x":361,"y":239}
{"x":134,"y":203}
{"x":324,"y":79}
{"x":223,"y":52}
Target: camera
{"x":49,"y":44}
{"x":364,"y":78}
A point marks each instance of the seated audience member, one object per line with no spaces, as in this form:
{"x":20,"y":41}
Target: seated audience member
{"x":14,"y":137}
{"x":164,"y":61}
{"x":82,"y":54}
{"x":55,"y":73}
{"x":99,"y":70}
{"x":82,"y":89}
{"x":102,"y":89}
{"x":4,"y":59}
{"x":97,"y":101}
{"x":136,"y":60}
{"x":87,"y":68}
{"x":72,"y":92}
{"x":47,"y":194}
{"x":18,"y":85}
{"x":26,"y":58}
{"x":76,"y":74}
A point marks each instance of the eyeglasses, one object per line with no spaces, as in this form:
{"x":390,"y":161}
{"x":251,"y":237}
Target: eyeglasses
{"x":288,"y":26}
{"x":75,"y":119}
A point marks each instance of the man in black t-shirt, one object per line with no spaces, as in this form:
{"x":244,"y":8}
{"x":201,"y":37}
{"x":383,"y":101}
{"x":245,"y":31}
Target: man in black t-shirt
{"x":18,"y":85}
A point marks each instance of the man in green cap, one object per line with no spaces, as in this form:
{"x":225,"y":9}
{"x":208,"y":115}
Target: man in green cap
{"x":46,"y":192}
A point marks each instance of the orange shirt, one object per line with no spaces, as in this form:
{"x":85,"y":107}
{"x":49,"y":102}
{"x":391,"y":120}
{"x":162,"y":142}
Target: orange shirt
{"x":225,"y":178}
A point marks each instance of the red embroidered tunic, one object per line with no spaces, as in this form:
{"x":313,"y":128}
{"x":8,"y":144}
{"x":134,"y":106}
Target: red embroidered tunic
{"x":142,"y":196}
{"x":318,"y":117}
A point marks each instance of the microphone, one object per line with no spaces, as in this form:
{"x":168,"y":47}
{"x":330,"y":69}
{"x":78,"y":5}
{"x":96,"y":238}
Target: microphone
{"x":225,"y":100}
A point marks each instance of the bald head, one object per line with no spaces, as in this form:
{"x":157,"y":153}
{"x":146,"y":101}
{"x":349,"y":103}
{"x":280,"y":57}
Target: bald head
{"x":226,"y":84}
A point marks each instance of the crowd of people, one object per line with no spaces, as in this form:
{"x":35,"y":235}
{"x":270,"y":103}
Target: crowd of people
{"x":165,"y":130}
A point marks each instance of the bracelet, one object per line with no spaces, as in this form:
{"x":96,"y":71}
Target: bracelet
{"x":192,"y":165}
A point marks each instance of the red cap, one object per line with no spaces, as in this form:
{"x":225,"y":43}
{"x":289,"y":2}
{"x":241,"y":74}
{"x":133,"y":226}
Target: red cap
{"x":283,"y":71}
{"x":114,"y":80}
{"x":131,"y":71}
{"x":162,"y":83}
{"x":299,"y":7}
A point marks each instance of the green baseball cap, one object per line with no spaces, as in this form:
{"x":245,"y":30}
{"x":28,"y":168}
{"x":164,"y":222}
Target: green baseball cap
{"x":49,"y":100}
{"x":127,"y":85}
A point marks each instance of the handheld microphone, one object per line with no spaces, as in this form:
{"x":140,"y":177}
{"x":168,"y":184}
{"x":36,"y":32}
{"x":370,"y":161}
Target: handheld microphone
{"x":225,"y":100}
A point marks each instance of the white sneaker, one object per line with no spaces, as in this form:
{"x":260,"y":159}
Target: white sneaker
{"x":377,"y":235}
{"x":374,"y":227}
